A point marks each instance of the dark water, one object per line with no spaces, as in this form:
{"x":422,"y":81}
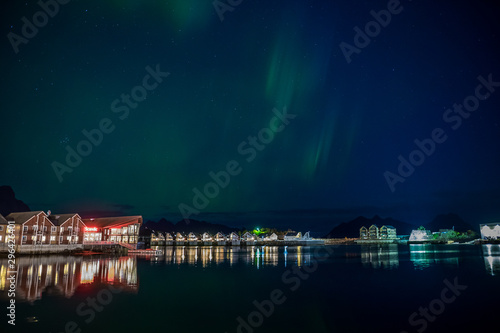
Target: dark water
{"x":297,"y":289}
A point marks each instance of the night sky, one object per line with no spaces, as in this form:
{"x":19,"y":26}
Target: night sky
{"x":214,"y":88}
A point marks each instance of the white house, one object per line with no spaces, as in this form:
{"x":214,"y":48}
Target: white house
{"x":490,"y":231}
{"x":272,"y":237}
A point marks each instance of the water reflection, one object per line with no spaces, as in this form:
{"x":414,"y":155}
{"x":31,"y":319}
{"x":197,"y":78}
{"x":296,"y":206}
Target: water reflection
{"x":257,"y":256}
{"x":491,"y":255}
{"x":425,"y":255}
{"x":380,"y":256}
{"x":61,"y":275}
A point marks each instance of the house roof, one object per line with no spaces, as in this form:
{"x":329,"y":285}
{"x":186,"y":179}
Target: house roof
{"x":389,"y":226}
{"x":112,"y":222}
{"x":61,"y":218}
{"x":2,"y":219}
{"x":22,"y":217}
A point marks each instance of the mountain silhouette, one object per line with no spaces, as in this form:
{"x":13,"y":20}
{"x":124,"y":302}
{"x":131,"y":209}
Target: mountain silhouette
{"x":9,"y":203}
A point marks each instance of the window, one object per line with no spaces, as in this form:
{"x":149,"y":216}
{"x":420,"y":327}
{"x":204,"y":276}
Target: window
{"x":1,"y":227}
{"x":35,"y":228}
{"x":60,"y":239}
{"x":52,"y":238}
{"x":33,"y":238}
{"x":53,"y":229}
{"x":44,"y":228}
{"x":25,"y":228}
{"x":1,"y":238}
{"x":25,"y":238}
{"x":62,"y":229}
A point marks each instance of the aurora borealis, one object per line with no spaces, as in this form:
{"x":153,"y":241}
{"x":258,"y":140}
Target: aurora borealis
{"x":225,"y":79}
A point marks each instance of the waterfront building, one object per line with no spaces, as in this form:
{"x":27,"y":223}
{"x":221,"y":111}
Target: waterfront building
{"x":272,"y":237}
{"x":292,"y":236}
{"x":376,"y":235}
{"x":31,"y":228}
{"x":373,"y":232}
{"x":180,"y":239}
{"x":157,"y":238}
{"x":234,"y":237}
{"x":420,"y":235}
{"x":122,"y":229}
{"x":45,"y":232}
{"x":71,"y":229}
{"x":384,"y":232}
{"x":220,"y":237}
{"x":3,"y":229}
{"x":363,"y":233}
{"x":387,"y":232}
{"x":206,"y":237}
{"x":193,"y":238}
{"x":490,"y":230}
{"x":248,"y":237}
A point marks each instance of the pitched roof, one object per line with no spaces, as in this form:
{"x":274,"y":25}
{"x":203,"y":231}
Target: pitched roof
{"x":2,"y":219}
{"x":61,"y":218}
{"x":389,"y":226}
{"x":116,"y":222}
{"x":22,"y":217}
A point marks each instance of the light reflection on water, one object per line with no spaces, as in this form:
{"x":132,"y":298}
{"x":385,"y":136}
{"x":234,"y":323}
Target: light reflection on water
{"x":491,"y":255}
{"x":380,"y":256}
{"x":61,"y":275}
{"x":426,"y":255}
{"x":257,"y":256}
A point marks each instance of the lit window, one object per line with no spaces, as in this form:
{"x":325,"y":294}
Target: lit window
{"x":52,"y":238}
{"x":1,"y":238}
{"x":24,"y":239}
{"x":62,"y":229}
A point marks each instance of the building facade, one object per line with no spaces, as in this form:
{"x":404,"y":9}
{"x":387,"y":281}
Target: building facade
{"x":376,"y":233}
{"x":46,"y":230}
{"x":490,"y":230}
{"x":122,"y":229}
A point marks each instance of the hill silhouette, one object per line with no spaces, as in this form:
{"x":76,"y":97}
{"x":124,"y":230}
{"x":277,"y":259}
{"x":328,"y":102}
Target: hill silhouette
{"x":9,"y":203}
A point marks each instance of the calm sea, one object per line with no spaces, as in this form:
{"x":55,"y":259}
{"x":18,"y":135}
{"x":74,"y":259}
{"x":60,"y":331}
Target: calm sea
{"x":391,"y":288}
